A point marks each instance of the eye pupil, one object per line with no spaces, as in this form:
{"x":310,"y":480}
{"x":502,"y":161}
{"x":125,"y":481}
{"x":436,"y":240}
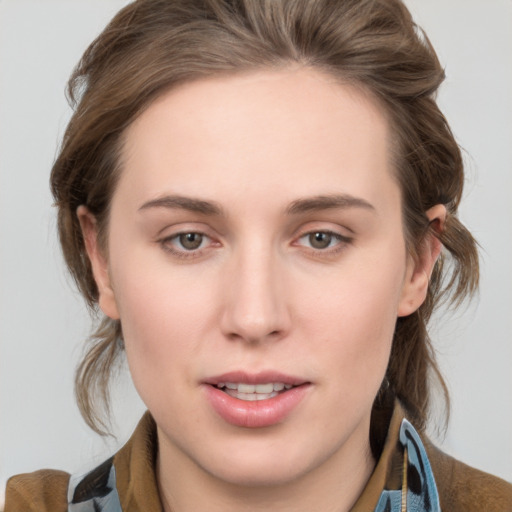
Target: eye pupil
{"x":191,"y":241}
{"x":320,"y":240}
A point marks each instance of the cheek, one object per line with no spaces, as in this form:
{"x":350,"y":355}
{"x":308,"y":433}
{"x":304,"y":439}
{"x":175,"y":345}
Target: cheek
{"x":163,"y":314}
{"x":361,"y":296}
{"x":160,"y":342}
{"x":352,"y":316}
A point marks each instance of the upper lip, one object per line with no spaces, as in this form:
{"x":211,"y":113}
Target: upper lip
{"x":262,"y":377}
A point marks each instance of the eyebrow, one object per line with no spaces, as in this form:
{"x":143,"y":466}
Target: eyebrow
{"x":316,"y":203}
{"x":184,"y":203}
{"x":309,"y":204}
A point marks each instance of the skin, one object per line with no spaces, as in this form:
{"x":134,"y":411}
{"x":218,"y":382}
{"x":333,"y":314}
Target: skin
{"x":258,"y":294}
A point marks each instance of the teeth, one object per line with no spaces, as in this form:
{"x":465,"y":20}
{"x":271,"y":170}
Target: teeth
{"x":255,"y":388}
{"x":246,"y":388}
{"x":270,"y":388}
{"x":264,"y":388}
{"x":251,"y":397}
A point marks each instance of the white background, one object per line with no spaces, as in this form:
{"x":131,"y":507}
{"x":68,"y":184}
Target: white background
{"x":42,"y":319}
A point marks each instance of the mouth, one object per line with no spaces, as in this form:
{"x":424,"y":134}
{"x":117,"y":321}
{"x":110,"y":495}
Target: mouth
{"x":255,"y":400}
{"x":253,"y":392}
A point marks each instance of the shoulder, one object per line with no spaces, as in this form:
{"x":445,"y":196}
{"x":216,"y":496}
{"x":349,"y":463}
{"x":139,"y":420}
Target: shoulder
{"x":466,"y":489}
{"x":130,"y":472}
{"x":41,"y":491}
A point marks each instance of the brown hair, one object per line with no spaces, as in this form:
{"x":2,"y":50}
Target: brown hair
{"x":152,"y":45}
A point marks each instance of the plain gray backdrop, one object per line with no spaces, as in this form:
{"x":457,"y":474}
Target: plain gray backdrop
{"x":42,"y":319}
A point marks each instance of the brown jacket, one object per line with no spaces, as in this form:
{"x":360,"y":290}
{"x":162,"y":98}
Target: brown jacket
{"x":461,"y":488}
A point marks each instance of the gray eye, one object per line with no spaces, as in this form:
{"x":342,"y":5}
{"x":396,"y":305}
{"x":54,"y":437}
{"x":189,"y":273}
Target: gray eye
{"x":190,"y":241}
{"x":320,"y":240}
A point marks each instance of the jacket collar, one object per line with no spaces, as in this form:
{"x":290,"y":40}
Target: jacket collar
{"x":402,"y":480}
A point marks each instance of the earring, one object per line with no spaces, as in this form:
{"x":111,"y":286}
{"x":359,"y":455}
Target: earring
{"x":384,"y":387}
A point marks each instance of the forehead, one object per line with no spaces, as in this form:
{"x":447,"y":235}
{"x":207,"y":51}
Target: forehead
{"x":262,"y":129}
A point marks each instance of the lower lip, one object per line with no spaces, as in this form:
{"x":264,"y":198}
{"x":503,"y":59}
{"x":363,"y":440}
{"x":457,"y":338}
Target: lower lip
{"x":258,"y":413}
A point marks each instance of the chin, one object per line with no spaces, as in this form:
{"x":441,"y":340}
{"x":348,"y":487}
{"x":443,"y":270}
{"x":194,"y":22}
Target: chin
{"x":261,"y":474}
{"x":274,"y":464}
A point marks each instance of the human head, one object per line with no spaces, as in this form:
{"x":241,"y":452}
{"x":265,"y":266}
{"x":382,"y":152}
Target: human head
{"x":152,"y":46}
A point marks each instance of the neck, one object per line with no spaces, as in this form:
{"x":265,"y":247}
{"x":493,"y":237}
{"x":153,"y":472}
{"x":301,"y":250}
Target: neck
{"x":332,"y":486}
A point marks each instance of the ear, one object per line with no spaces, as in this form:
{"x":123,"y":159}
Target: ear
{"x":99,"y":263}
{"x":420,"y":269}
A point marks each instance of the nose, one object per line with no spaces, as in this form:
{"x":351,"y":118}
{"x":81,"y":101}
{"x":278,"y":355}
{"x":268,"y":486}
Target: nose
{"x":255,"y":307}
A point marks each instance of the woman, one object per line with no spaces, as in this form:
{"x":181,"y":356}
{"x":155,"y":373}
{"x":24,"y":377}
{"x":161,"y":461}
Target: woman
{"x":256,"y":196}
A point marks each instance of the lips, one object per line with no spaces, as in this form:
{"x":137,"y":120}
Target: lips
{"x":255,"y":400}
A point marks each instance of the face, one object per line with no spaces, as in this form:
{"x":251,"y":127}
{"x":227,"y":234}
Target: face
{"x":257,"y":262}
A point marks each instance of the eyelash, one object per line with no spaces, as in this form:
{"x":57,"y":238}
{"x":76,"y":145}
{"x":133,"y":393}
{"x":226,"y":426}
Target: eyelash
{"x":167,"y":243}
{"x":342,"y":241}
